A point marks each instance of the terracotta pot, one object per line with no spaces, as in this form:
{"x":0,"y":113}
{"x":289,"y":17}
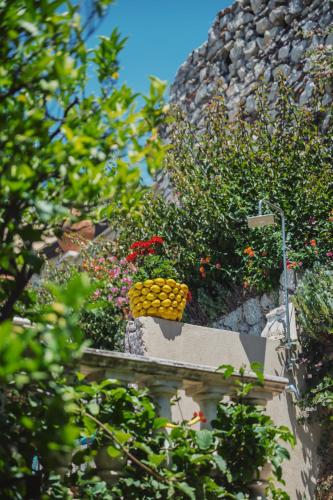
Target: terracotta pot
{"x":163,"y":298}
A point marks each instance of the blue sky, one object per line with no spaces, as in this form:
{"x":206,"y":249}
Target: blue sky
{"x":161,"y":35}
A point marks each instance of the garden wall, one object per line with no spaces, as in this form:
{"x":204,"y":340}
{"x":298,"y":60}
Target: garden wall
{"x":209,"y":348}
{"x":250,"y":41}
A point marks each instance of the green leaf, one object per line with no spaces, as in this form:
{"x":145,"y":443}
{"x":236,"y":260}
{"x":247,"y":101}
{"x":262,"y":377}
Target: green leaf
{"x":204,"y":439}
{"x":220,"y":462}
{"x":93,"y":408}
{"x":155,"y":459}
{"x":113,"y":452}
{"x":227,"y":370}
{"x":188,"y":490}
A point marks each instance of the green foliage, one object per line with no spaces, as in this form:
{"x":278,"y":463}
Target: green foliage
{"x":314,"y":305}
{"x":62,"y":147}
{"x":220,"y":171}
{"x":156,"y":266}
{"x":37,"y":403}
{"x":185,"y":463}
{"x":103,"y":315}
{"x":152,"y":260}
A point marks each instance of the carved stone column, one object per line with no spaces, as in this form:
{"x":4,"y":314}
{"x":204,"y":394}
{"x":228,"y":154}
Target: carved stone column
{"x":208,"y":397}
{"x":162,"y":391}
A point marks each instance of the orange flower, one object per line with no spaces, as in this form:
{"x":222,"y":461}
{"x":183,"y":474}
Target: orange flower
{"x":249,"y":251}
{"x":202,"y":272}
{"x":313,"y":243}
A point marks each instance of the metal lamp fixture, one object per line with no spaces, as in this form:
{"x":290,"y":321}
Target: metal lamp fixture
{"x":261,"y":220}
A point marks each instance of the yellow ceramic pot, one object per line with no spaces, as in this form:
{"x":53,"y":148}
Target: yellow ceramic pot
{"x":164,"y":298}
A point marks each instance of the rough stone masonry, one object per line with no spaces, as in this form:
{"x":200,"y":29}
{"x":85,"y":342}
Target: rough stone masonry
{"x":253,"y":40}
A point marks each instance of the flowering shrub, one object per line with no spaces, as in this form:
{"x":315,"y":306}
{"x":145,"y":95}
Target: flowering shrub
{"x":219,"y":172}
{"x":151,"y":259}
{"x":103,"y":316}
{"x":104,"y":321}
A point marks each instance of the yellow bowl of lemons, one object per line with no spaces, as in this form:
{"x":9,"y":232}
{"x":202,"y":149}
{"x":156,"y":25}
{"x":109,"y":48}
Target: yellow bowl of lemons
{"x":160,"y":297}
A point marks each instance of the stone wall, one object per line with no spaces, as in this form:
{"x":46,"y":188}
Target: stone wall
{"x":263,"y":315}
{"x":253,"y":40}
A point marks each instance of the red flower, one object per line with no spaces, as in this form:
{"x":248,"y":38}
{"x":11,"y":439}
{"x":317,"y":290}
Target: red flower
{"x":200,"y":415}
{"x":140,"y":244}
{"x":137,"y":244}
{"x":151,"y":250}
{"x":132,"y":257}
{"x":313,"y":243}
{"x":156,"y":239}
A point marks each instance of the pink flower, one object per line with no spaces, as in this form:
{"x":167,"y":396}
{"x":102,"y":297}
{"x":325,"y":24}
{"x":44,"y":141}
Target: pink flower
{"x":329,"y":254}
{"x":101,"y":259}
{"x":122,"y":262}
{"x":126,"y":280}
{"x":113,"y":258}
{"x":110,"y":298}
{"x":114,"y":289}
{"x":124,"y":290}
{"x":97,"y":293}
{"x":116,"y":272}
{"x":120,"y":301}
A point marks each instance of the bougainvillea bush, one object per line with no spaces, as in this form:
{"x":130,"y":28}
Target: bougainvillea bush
{"x":220,"y":171}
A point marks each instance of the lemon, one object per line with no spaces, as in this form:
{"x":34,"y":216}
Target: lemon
{"x":171,"y":296}
{"x":136,"y":293}
{"x":166,"y":288}
{"x":162,"y":296}
{"x":148,"y":283}
{"x":151,"y":296}
{"x":184,"y":288}
{"x":146,"y":304}
{"x":181,"y":293}
{"x":178,"y":285}
{"x":152,"y":311}
{"x":138,"y":285}
{"x":142,"y":298}
{"x":136,"y":300}
{"x":175,"y":290}
{"x":171,"y":282}
{"x":156,"y":303}
{"x":155,"y":289}
{"x":161,"y":309}
{"x":166,"y":303}
{"x":145,"y":291}
{"x":183,"y":302}
{"x":174,"y":303}
{"x":130,"y":292}
{"x":159,"y":281}
{"x":179,"y":298}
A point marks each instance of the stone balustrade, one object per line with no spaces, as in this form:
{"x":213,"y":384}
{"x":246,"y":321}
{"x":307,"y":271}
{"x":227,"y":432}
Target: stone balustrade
{"x":165,"y":378}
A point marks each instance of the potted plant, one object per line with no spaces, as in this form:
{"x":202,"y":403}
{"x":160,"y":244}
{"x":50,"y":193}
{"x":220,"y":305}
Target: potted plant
{"x":156,"y":290}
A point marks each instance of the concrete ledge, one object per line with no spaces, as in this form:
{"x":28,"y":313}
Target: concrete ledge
{"x":139,"y":366}
{"x":197,"y":345}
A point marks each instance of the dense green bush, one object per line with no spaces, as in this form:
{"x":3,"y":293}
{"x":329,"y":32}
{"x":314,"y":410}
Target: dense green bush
{"x":220,"y":171}
{"x":314,"y":305}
